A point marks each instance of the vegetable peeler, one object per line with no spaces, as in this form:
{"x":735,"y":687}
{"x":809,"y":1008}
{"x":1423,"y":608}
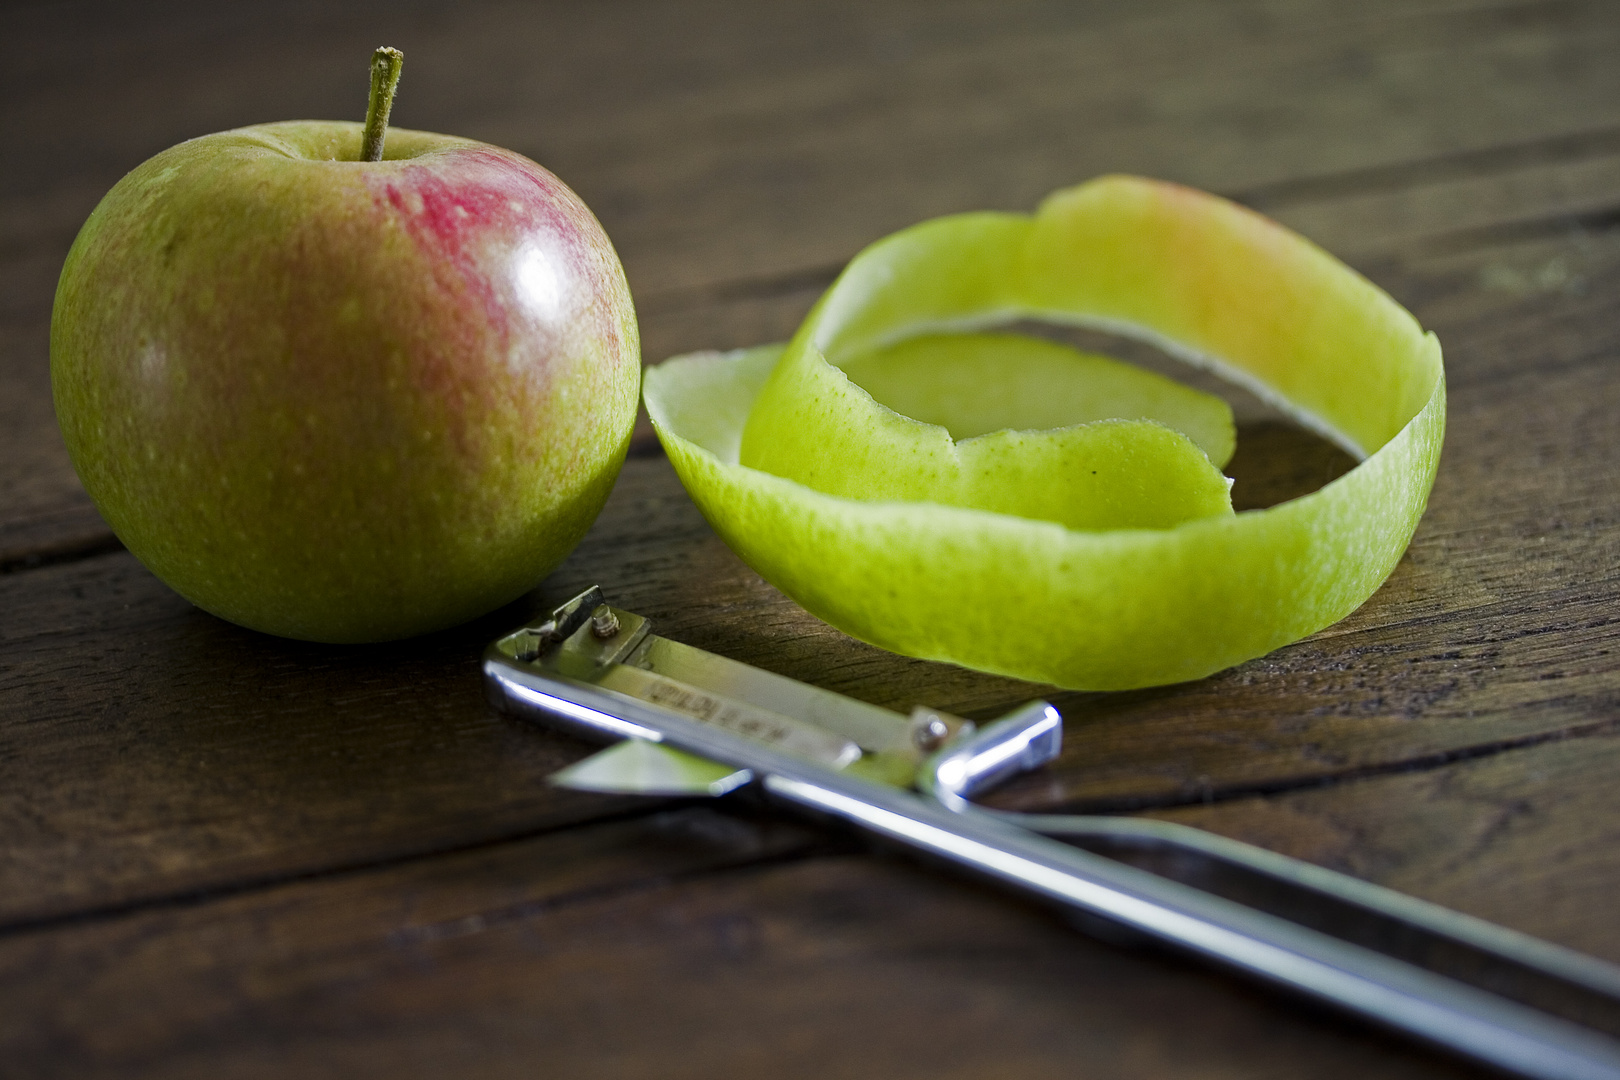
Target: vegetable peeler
{"x":685,"y":722}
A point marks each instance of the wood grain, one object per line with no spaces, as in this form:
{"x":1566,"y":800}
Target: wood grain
{"x":628,"y":951}
{"x":1219,"y":740}
{"x":222,"y":854}
{"x":1443,"y":662}
{"x":1525,"y":838}
{"x":159,"y":751}
{"x":779,"y":143}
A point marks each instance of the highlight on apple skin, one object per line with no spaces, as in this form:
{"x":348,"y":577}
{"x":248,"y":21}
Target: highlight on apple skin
{"x":342,"y":400}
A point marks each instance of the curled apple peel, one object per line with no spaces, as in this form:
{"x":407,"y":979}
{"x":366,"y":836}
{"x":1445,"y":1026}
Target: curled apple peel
{"x":1117,"y":459}
{"x":854,"y":510}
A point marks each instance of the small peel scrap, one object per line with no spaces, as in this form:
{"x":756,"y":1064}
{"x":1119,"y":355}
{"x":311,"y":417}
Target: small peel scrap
{"x":888,"y":499}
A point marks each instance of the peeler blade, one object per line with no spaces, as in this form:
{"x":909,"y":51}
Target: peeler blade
{"x":639,"y":767}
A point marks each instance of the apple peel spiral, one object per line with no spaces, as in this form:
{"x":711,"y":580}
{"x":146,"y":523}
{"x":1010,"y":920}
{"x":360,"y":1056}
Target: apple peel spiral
{"x":939,"y":537}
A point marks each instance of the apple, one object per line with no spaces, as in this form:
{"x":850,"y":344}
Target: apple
{"x":339,"y":399}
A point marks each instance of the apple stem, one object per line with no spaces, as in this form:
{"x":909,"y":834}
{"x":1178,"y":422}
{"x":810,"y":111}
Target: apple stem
{"x":385,"y":67}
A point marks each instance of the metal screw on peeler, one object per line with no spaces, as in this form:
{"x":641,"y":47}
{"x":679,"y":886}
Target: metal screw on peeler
{"x":604,"y":624}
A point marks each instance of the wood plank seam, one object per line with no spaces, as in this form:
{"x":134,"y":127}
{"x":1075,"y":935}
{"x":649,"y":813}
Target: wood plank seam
{"x":1460,"y":164}
{"x":1214,"y":794}
{"x":1600,"y":220}
{"x":832,"y":846}
{"x":1325,"y":188}
{"x":757,"y":287}
{"x":507,"y":915}
{"x":210,"y":894}
{"x":76,"y":550}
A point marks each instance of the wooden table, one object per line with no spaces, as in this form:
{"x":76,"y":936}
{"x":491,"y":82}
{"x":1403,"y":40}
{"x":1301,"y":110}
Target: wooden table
{"x":229,"y":855}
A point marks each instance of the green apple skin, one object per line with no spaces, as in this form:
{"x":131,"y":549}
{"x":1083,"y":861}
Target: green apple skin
{"x":338,"y":400}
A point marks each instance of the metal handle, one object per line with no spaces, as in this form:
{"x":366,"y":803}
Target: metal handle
{"x":1434,"y":1008}
{"x":1352,"y":943}
{"x":1403,"y":996}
